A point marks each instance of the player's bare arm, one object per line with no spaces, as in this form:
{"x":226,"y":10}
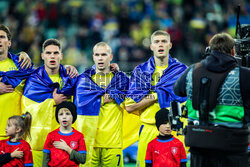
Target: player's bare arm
{"x":144,"y":103}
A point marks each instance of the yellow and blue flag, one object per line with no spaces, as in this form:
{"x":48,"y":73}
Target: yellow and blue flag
{"x":10,"y":102}
{"x":88,"y":94}
{"x":39,"y":86}
{"x":38,"y":100}
{"x":140,"y":82}
{"x":88,"y":101}
{"x":15,"y":77}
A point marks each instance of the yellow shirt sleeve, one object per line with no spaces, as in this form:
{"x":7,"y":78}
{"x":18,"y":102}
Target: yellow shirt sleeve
{"x":129,"y":101}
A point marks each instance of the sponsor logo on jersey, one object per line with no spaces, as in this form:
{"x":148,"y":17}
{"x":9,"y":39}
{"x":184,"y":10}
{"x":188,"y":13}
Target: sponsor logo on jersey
{"x":157,"y":152}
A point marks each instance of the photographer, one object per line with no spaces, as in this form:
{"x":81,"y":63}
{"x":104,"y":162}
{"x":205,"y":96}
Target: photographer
{"x":218,"y":93}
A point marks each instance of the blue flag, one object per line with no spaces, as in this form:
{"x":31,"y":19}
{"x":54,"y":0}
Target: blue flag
{"x":15,"y":77}
{"x":140,"y":82}
{"x":39,"y":86}
{"x":88,"y":94}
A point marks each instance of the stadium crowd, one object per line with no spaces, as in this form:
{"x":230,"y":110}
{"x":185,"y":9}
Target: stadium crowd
{"x":125,"y":24}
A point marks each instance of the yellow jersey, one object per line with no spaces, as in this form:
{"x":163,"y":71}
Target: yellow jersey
{"x":148,"y":115}
{"x":7,"y":65}
{"x":57,"y":78}
{"x":9,"y":102}
{"x":109,"y":128}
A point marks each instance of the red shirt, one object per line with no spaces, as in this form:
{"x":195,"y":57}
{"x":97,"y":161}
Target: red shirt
{"x":60,"y":157}
{"x":8,"y":147}
{"x":162,"y":153}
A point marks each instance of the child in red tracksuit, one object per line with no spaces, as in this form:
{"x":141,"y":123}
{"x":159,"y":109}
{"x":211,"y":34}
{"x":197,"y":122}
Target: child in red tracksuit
{"x":15,"y":151}
{"x":165,"y":150}
{"x":64,"y":146}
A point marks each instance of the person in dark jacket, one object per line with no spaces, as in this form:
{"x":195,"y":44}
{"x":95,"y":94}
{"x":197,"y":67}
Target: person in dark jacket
{"x":223,"y":106}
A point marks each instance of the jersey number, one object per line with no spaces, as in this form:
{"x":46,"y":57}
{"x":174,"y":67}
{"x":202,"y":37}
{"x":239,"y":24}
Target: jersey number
{"x":118,"y":155}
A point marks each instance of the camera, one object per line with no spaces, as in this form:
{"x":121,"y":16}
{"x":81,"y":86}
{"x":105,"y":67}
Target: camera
{"x":175,"y":113}
{"x":242,"y":45}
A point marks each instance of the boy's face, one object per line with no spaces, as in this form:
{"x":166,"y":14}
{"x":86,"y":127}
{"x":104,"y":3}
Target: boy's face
{"x":65,"y":117}
{"x":165,"y":129}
